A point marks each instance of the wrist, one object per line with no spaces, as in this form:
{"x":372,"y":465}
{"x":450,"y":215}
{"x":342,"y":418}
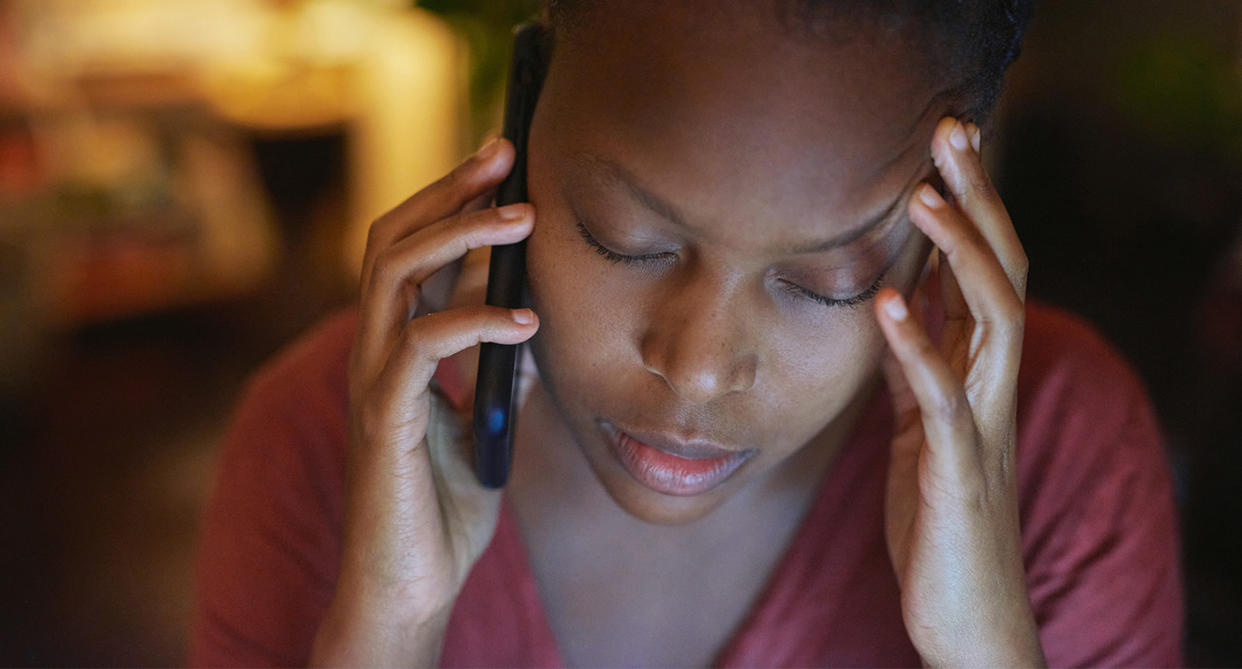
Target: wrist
{"x":1007,"y":655}
{"x":363,"y":597}
{"x":370,"y":587}
{"x":358,"y":631}
{"x":1011,"y":641}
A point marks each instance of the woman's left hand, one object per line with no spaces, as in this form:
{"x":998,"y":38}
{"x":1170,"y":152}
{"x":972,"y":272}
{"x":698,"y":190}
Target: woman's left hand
{"x":951,"y":516}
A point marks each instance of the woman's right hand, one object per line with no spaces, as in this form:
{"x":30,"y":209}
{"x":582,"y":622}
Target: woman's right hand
{"x":416,"y":518}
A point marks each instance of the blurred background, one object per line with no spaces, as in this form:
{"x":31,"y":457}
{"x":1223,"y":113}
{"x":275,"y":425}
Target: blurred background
{"x":185,"y":186}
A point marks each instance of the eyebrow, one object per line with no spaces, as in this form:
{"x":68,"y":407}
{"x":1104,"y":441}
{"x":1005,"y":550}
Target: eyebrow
{"x":614,"y":174}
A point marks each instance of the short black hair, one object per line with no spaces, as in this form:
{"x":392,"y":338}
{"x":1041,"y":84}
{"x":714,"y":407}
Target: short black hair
{"x":970,"y":42}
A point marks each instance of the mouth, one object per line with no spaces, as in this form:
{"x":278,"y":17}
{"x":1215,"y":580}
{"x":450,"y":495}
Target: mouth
{"x":673,"y":465}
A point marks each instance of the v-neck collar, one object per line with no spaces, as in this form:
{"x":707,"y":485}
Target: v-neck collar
{"x":868,"y":441}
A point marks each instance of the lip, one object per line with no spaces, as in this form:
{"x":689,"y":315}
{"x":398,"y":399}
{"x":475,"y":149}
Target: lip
{"x":674,"y":465}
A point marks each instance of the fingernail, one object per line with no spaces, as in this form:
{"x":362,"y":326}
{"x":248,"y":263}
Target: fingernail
{"x":523,"y":316}
{"x":895,"y":307}
{"x":958,"y":137}
{"x":512,"y":212}
{"x":976,"y":137}
{"x":930,"y":197}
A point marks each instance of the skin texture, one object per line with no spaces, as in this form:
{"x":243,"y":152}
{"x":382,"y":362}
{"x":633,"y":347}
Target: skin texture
{"x":951,"y":508}
{"x":761,"y":143}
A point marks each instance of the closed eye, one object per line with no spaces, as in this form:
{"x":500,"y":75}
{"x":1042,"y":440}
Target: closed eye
{"x":853,"y":301}
{"x":793,"y":288}
{"x":613,"y":256}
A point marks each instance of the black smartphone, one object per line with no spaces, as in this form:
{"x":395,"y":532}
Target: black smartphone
{"x":495,"y":398}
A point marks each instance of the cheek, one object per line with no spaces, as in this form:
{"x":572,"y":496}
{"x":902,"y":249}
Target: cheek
{"x":582,"y":310}
{"x":814,"y":374}
{"x":846,"y":346}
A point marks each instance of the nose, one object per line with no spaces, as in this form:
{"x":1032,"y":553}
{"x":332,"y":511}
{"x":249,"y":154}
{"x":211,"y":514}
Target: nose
{"x":699,"y":345}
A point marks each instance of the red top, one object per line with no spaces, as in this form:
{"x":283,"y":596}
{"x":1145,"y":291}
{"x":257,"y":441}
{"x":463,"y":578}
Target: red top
{"x":1099,"y":529}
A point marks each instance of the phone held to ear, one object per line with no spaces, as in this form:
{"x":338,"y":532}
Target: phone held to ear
{"x":495,"y":399}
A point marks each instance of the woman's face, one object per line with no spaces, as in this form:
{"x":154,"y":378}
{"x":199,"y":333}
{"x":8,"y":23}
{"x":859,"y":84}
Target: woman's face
{"x":757,"y":180}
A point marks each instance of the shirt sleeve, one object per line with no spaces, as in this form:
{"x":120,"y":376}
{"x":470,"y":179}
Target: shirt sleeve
{"x":1099,"y":519}
{"x":270,"y":541}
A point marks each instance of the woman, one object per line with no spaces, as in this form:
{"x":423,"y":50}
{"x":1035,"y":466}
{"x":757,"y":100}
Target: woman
{"x":743,"y":447}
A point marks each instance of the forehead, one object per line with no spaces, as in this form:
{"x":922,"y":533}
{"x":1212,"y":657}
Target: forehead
{"x":730,"y":113}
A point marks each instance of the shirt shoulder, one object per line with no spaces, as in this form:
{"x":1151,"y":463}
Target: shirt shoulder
{"x":1063,"y":352}
{"x":1082,"y":409}
{"x":270,"y":541}
{"x":1099,"y":520}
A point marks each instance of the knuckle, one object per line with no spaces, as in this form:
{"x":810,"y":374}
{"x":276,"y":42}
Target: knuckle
{"x":384,"y":268}
{"x":476,"y":232}
{"x":961,"y":236}
{"x":437,"y":335}
{"x":376,"y":236}
{"x":415,"y":340}
{"x":977,"y":184}
{"x":465,"y":229}
{"x":482,"y":221}
{"x":483,"y":320}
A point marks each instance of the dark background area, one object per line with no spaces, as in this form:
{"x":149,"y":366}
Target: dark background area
{"x":1117,"y":147}
{"x":1122,"y":168}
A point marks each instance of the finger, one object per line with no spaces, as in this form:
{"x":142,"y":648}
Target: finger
{"x":483,"y":201}
{"x":437,"y":288}
{"x":985,"y":287}
{"x":429,"y":339}
{"x":955,"y":150}
{"x":471,"y":286}
{"x":469,"y":185}
{"x":959,"y":323}
{"x":428,"y":253}
{"x":948,"y":421}
{"x":449,"y":443}
{"x":471,"y":289}
{"x":902,"y":397}
{"x":907,"y":441}
{"x":392,"y":296}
